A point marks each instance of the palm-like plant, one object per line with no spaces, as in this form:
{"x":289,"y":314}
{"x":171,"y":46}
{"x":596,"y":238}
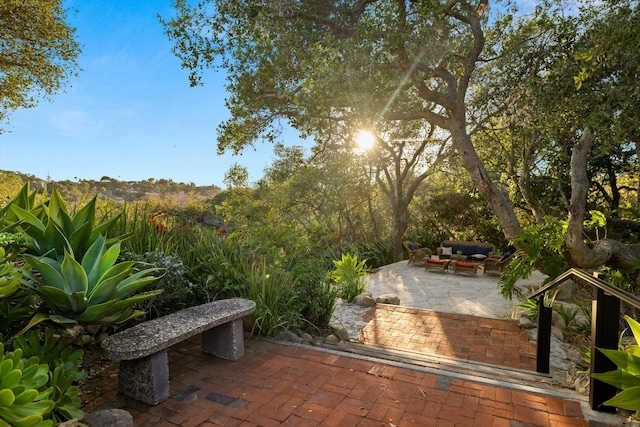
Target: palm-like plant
{"x":350,"y":276}
{"x":96,"y":291}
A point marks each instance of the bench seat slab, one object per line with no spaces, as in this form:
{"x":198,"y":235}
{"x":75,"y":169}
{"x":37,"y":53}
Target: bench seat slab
{"x":225,"y":341}
{"x":145,"y":379}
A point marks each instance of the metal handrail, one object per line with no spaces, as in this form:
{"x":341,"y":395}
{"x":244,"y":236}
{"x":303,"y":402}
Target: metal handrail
{"x":604,"y":330}
{"x":592,"y":280}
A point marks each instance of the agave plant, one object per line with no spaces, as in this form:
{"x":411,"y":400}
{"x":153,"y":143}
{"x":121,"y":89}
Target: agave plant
{"x":49,"y":227}
{"x":96,"y":291}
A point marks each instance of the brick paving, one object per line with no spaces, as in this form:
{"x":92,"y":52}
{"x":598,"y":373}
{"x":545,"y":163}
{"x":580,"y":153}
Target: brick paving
{"x":275,"y":384}
{"x":497,"y":341}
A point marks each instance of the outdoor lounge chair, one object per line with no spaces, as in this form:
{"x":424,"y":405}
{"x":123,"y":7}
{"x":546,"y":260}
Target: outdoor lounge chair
{"x":416,"y":253}
{"x":495,"y":264}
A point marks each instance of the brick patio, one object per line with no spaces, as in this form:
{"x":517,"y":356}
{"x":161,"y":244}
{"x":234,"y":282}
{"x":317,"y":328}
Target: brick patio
{"x":276,"y":384}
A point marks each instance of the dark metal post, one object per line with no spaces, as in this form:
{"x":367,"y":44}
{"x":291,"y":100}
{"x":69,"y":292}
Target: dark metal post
{"x":543,"y":350}
{"x":605,"y":316}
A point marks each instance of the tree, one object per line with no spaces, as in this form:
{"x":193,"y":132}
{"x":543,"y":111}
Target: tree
{"x":38,"y":52}
{"x":559,"y":98}
{"x":330,"y":67}
{"x":401,"y":165}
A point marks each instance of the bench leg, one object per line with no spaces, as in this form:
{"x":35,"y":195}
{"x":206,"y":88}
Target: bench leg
{"x":146,"y":379}
{"x":225,"y":341}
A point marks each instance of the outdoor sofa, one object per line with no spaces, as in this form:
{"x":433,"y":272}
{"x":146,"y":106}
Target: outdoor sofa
{"x":473,"y":251}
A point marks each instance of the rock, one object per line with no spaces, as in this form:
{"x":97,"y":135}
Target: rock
{"x":519,"y":312}
{"x":70,"y":423}
{"x":308,"y":339}
{"x":109,"y":418}
{"x":525,"y":323}
{"x":364,"y":300}
{"x":289,"y":336}
{"x":87,"y":339}
{"x":557,"y":320}
{"x":566,"y":290}
{"x":557,"y":332}
{"x":388,"y":299}
{"x":340,"y":332}
{"x":332,"y":339}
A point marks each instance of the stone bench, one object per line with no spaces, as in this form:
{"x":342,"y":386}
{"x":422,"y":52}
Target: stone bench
{"x":142,"y":349}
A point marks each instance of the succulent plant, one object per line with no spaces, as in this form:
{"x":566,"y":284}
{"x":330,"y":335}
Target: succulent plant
{"x":49,"y":228}
{"x":96,"y":291}
{"x":22,"y":404}
{"x":64,"y":369}
{"x":9,"y":277}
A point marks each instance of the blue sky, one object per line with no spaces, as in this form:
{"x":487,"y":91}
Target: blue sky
{"x":130,"y":114}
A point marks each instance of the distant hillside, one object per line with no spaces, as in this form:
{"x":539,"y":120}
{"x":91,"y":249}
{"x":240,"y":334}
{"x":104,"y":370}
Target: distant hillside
{"x":177,"y":193}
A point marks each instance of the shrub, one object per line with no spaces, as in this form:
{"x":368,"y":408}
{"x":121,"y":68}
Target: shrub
{"x":177,"y":290}
{"x":350,"y":276}
{"x":273,"y":290}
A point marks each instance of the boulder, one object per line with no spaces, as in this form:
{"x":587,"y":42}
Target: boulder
{"x":340,"y":332}
{"x":388,"y":299}
{"x":308,"y":339}
{"x":364,"y":300}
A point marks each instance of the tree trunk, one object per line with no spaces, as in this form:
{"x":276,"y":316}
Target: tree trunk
{"x":500,"y":203}
{"x":605,"y":252}
{"x":400,"y":224}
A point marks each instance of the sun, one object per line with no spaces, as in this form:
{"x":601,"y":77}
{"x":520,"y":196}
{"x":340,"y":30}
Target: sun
{"x":365,"y":140}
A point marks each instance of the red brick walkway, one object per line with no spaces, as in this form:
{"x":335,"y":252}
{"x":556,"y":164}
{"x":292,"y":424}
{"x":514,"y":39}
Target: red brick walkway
{"x":497,"y":341}
{"x":275,"y":384}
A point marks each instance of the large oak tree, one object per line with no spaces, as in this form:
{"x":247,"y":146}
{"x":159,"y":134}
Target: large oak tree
{"x":38,"y":52}
{"x":326,"y":66}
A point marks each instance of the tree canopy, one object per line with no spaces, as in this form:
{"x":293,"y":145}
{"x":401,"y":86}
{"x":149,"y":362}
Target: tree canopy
{"x":38,"y":52}
{"x":538,"y":85}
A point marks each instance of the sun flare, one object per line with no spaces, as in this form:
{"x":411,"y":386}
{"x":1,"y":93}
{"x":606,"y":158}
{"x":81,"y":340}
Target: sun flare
{"x":365,"y":140}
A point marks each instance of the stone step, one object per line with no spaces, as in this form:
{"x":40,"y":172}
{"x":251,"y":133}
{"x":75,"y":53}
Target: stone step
{"x":468,"y":370}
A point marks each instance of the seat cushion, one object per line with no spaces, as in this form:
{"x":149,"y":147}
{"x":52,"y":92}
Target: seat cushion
{"x":435,"y":261}
{"x":465,"y":264}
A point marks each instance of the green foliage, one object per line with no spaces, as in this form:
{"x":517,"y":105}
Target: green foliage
{"x":50,"y":229}
{"x":177,"y":290}
{"x":96,"y":291}
{"x":350,"y":276}
{"x":540,"y":247}
{"x":24,"y":400}
{"x":15,"y":302}
{"x":379,"y":253}
{"x":567,"y":314}
{"x":64,"y":362}
{"x":627,"y":376}
{"x":273,"y":290}
{"x":38,"y":55}
{"x":530,"y":305}
{"x":9,"y":276}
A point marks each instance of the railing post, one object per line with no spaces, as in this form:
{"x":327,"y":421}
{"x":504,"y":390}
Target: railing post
{"x":605,"y":317}
{"x":543,"y":349}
